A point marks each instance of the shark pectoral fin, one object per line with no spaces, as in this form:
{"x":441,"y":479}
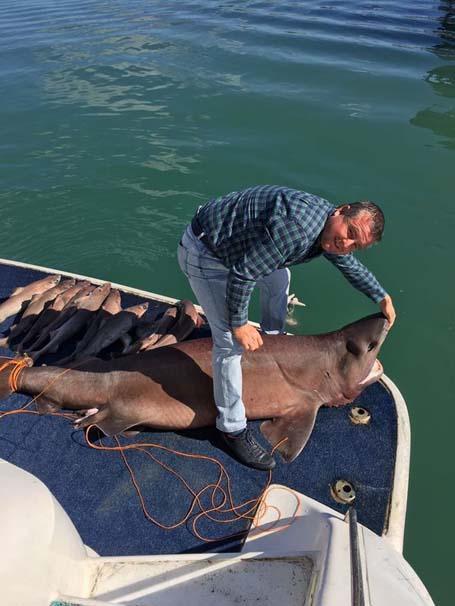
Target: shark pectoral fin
{"x":103,"y":419}
{"x":293,"y":430}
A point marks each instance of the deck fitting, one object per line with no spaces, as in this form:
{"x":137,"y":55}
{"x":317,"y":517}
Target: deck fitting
{"x":359,"y":415}
{"x":342,"y":492}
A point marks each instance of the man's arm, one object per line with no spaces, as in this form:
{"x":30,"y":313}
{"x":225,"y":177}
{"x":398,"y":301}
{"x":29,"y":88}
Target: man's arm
{"x":261,"y":258}
{"x":362,"y":279}
{"x":238,"y":296}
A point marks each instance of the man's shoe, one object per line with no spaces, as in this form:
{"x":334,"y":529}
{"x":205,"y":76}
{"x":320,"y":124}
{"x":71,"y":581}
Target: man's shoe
{"x":247,"y":450}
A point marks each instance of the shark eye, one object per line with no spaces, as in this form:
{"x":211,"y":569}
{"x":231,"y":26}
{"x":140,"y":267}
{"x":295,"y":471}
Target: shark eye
{"x":353,"y":348}
{"x":372,"y":345}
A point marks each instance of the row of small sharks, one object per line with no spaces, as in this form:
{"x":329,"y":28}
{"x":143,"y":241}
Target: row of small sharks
{"x":285,"y":382}
{"x":55,"y":311}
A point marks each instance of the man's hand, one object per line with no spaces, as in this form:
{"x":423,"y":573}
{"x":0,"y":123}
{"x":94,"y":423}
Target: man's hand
{"x":388,"y":309}
{"x":248,"y":337}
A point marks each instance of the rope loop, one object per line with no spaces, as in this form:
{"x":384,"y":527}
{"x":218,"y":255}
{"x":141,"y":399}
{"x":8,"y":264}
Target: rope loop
{"x":18,"y":365}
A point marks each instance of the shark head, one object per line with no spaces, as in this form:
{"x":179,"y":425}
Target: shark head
{"x":358,"y":347}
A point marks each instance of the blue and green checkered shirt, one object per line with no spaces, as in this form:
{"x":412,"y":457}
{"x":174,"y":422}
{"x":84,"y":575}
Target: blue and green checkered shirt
{"x":264,"y":228}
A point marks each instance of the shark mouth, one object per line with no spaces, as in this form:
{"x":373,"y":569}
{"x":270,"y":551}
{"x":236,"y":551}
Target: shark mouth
{"x":374,"y":374}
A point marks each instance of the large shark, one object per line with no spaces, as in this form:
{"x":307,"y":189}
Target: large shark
{"x":285,"y":383}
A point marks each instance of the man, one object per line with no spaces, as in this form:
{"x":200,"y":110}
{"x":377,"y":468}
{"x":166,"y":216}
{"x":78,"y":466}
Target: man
{"x":250,"y":237}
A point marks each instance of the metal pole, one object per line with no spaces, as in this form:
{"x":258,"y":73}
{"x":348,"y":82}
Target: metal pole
{"x":358,"y":597}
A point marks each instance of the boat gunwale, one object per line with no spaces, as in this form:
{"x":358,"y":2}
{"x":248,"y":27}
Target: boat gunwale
{"x":396,"y":517}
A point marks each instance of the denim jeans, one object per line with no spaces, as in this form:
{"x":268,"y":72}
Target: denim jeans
{"x":208,"y":279}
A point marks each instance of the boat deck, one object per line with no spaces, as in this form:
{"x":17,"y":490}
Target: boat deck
{"x":95,"y":488}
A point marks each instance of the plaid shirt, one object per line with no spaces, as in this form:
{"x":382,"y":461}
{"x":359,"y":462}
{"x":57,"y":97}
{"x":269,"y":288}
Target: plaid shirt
{"x":264,"y":228}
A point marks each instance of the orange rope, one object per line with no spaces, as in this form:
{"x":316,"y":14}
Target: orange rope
{"x":22,"y":363}
{"x":18,"y":365}
{"x":223,"y":495}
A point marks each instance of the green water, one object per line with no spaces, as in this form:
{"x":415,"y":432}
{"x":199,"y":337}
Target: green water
{"x":118,"y":118}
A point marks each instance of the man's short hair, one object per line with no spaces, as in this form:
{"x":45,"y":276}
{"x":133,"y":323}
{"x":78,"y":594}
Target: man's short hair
{"x":375,"y":214}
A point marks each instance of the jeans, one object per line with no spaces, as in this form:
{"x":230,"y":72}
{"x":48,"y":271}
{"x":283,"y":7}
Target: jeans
{"x":208,"y":279}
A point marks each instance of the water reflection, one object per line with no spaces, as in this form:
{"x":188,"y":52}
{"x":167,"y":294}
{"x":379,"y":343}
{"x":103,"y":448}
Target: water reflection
{"x":442,"y":80}
{"x":441,"y":123}
{"x":446,"y":30}
{"x":133,"y":78}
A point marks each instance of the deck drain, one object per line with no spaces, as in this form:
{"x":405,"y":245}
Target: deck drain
{"x":342,"y":491}
{"x":359,"y":415}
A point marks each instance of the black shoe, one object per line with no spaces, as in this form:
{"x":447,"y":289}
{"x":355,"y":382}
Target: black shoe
{"x":247,"y":450}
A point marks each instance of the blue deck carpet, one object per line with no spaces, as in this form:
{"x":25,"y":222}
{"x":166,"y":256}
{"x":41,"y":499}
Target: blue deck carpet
{"x":96,"y":491}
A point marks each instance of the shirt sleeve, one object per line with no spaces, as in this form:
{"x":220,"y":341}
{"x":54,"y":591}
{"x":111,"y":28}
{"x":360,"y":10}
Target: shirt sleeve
{"x":358,"y":275}
{"x":238,"y":296}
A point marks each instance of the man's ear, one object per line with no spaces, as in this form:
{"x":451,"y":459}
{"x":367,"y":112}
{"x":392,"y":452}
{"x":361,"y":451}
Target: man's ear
{"x":340,"y":209}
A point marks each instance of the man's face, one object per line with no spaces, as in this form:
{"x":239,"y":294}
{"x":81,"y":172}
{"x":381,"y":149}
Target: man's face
{"x":342,"y":235}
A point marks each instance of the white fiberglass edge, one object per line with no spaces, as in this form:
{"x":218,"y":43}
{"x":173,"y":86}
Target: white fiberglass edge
{"x":396,"y":518}
{"x":312,"y":529}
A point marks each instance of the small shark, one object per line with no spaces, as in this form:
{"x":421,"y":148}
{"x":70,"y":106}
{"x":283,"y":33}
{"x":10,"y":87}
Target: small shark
{"x":23,"y":295}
